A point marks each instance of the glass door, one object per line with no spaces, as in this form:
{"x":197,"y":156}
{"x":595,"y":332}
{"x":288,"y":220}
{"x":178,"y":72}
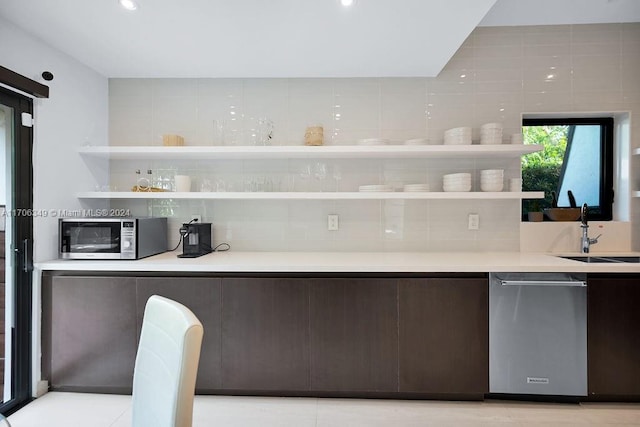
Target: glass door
{"x":16,"y":228}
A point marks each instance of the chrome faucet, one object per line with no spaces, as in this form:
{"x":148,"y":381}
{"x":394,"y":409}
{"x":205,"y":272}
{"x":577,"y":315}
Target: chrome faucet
{"x":586,"y":241}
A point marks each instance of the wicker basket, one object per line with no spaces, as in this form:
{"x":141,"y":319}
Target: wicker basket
{"x":172,"y":140}
{"x":562,"y":214}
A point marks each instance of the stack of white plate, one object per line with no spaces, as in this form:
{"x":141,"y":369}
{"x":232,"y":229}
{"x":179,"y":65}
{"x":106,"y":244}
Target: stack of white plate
{"x":492,"y":180}
{"x":416,"y":141}
{"x":373,"y":141}
{"x":456,"y":182}
{"x":416,"y":187}
{"x":491,"y":133}
{"x":370,"y":188}
{"x":458,"y":136}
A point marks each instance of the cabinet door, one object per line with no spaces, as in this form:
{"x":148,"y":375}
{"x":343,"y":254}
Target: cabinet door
{"x":203,"y":297}
{"x":613,"y":337}
{"x":354,"y":335}
{"x":265,"y":334}
{"x":444,"y":336}
{"x":92,"y":333}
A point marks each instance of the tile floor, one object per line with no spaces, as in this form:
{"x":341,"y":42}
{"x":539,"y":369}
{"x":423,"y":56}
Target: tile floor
{"x":95,"y":410}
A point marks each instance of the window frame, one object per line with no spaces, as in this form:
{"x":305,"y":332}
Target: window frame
{"x":22,"y":256}
{"x":603,"y":212}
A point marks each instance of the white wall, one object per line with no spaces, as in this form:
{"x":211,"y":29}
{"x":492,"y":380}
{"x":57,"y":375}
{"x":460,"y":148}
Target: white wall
{"x":498,"y":74}
{"x":75,"y":113}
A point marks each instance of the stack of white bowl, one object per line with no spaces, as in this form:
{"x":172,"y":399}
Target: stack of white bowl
{"x":491,"y":133}
{"x":456,"y":182}
{"x":515,"y":185}
{"x":492,"y":180}
{"x":458,"y":136}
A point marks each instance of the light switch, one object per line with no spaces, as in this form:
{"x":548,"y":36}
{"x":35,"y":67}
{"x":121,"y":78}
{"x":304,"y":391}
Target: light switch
{"x":332,"y":222}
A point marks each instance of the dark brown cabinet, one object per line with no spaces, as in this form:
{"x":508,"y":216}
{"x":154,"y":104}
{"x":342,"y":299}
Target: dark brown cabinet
{"x":90,"y":325}
{"x":265,"y":334}
{"x":354,"y":335}
{"x":341,"y":336}
{"x":444,"y":336}
{"x":203,"y":296}
{"x":613,"y":336}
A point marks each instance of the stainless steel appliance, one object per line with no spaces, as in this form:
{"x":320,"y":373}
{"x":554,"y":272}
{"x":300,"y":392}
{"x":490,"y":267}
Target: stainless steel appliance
{"x":538,"y":334}
{"x":111,"y":238}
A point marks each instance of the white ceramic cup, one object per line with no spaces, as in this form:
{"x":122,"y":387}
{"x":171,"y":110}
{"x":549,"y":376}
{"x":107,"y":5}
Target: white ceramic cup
{"x":183,"y":183}
{"x":515,"y":185}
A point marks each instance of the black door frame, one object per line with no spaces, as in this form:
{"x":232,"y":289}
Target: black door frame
{"x":21,"y":253}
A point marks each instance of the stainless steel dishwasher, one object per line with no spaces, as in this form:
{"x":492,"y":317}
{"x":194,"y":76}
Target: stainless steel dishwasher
{"x":538,"y":334}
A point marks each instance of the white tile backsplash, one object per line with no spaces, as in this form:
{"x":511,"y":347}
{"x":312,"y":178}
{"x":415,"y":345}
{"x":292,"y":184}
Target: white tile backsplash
{"x":496,"y":75}
{"x":546,"y":35}
{"x":563,"y":237}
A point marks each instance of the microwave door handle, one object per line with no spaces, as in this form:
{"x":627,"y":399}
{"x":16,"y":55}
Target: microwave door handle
{"x":566,"y":283}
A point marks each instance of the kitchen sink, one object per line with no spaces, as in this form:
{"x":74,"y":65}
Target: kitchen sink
{"x":604,"y":259}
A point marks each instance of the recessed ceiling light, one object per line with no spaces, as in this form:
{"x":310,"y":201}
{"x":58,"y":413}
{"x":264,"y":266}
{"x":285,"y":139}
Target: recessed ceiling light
{"x":129,"y":4}
{"x":346,"y":3}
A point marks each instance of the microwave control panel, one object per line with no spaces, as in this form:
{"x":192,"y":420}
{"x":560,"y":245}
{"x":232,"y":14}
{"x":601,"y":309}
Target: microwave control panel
{"x":128,"y":240}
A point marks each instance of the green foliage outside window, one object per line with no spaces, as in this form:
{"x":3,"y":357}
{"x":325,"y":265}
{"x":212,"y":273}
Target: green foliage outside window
{"x":541,"y":170}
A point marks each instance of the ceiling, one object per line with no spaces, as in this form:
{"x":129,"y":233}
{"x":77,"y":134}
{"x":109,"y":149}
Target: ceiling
{"x":557,"y":12}
{"x":284,"y":38}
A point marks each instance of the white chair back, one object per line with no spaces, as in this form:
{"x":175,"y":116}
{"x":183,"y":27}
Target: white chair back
{"x":4,"y":422}
{"x":166,"y":365}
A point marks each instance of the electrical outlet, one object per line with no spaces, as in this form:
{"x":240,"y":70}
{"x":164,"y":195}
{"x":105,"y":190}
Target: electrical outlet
{"x":474,"y":221}
{"x":332,"y":222}
{"x":196,"y":218}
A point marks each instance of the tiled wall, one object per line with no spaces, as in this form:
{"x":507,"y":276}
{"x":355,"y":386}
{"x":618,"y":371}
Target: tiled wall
{"x":497,"y":74}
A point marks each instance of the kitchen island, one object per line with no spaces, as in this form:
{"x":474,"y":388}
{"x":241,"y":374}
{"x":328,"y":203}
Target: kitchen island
{"x":403,"y":325}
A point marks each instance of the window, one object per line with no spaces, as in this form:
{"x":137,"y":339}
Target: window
{"x":577,"y":158}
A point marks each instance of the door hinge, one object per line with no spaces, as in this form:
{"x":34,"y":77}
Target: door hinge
{"x":27,"y":120}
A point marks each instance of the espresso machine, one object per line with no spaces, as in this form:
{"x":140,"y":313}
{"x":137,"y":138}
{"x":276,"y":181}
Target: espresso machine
{"x":196,"y":239}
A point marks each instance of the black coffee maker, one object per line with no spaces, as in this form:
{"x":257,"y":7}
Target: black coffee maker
{"x":196,"y":240}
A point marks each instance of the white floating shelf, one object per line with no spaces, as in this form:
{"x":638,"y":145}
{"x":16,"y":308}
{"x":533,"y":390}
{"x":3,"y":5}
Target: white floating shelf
{"x":474,"y":195}
{"x":635,"y":194}
{"x":636,"y":151}
{"x":296,"y":152}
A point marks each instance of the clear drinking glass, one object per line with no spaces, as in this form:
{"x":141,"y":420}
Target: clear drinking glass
{"x":320,"y":173}
{"x":257,"y":131}
{"x":265,"y":131}
{"x":206,"y":186}
{"x":337,"y":176}
{"x":304,"y":174}
{"x":219,"y":131}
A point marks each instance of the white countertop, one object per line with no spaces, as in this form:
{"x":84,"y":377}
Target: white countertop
{"x":349,"y":262}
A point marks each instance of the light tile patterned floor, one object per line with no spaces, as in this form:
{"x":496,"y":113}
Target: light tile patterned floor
{"x":99,"y":410}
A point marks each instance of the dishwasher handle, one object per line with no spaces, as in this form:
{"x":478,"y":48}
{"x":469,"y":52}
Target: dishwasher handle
{"x":567,"y":283}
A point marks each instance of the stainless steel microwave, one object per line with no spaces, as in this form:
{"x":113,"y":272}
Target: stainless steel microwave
{"x":111,"y":238}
